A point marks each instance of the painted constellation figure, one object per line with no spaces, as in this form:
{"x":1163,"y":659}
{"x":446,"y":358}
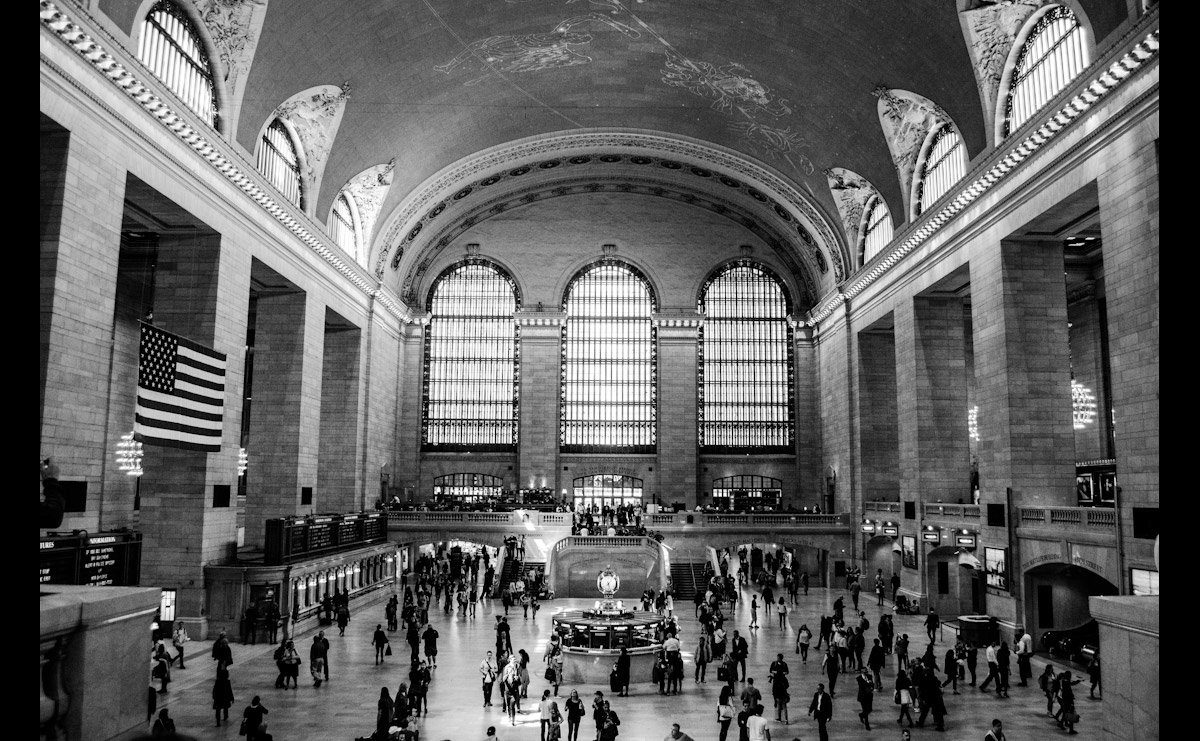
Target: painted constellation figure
{"x":774,"y":142}
{"x":729,"y":87}
{"x":533,"y":51}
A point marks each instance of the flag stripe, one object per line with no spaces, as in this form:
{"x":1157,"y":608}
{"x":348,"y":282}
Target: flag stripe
{"x":181,"y":399}
{"x":199,"y":394}
{"x":175,"y":423}
{"x":166,"y":442}
{"x":210,"y":370}
{"x":150,"y":406}
{"x":187,"y":345}
{"x":197,"y":380}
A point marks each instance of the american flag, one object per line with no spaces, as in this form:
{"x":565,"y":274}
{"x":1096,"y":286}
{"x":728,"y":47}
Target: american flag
{"x":181,"y":392}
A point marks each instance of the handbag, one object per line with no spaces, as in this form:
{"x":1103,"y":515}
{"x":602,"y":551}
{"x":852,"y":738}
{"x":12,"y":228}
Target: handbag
{"x":387,"y":651}
{"x":549,"y":673}
{"x":242,"y":728}
{"x":896,"y":697}
{"x":1072,"y":718}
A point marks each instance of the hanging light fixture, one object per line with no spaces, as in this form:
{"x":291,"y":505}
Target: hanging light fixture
{"x":973,"y":423}
{"x":1083,"y":405}
{"x":243,"y":461}
{"x":129,"y":455}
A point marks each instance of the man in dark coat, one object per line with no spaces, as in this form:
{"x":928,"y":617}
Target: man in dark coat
{"x":251,"y":624}
{"x":319,"y":650}
{"x":271,"y":617}
{"x":931,"y":700}
{"x":875,"y":663}
{"x":821,"y":708}
{"x":739,"y":650}
{"x":324,"y":642}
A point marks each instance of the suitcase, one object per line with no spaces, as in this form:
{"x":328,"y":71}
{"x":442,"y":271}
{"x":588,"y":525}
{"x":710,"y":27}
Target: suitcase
{"x":614,"y":683}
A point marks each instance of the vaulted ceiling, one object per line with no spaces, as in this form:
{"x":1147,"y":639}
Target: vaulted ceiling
{"x":785,"y":84}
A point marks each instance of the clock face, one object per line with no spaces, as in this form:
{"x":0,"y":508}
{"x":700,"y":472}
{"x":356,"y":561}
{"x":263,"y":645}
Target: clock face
{"x":607,"y":582}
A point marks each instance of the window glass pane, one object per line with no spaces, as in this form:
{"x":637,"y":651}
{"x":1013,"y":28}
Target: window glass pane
{"x":608,"y":361}
{"x":606,"y":489}
{"x":1145,"y":582}
{"x":470,"y":387}
{"x":342,"y":226}
{"x":944,"y":166}
{"x":170,"y":46}
{"x":278,"y":162}
{"x":746,"y":398}
{"x":879,"y":229}
{"x":1054,"y":54}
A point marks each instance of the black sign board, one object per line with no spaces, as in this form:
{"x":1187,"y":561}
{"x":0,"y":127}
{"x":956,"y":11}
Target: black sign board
{"x":101,"y":559}
{"x":292,"y":538}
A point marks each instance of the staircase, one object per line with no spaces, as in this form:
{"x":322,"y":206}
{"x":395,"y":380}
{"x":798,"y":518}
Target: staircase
{"x":685,"y":577}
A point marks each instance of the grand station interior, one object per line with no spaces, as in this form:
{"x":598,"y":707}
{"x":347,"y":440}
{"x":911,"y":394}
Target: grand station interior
{"x":875,"y":284}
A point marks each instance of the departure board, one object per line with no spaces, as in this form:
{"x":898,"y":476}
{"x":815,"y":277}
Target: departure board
{"x":292,"y":538}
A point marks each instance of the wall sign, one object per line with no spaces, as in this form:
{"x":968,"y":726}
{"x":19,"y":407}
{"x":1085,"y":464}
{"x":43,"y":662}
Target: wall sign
{"x":969,"y":540}
{"x":908,"y":551}
{"x":931,"y":536}
{"x":995,"y":566}
{"x":891,"y":530}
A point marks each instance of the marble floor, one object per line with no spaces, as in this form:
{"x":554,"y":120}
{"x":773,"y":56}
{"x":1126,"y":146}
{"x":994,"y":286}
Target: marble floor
{"x":344,"y":708}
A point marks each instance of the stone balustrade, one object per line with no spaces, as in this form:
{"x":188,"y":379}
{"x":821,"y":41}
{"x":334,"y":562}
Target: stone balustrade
{"x":1086,"y":517}
{"x":666,"y":522}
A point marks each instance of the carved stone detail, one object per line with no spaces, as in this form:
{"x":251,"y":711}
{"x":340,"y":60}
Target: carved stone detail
{"x":851,"y":192}
{"x":907,"y":119}
{"x":234,"y":26}
{"x":316,"y":114}
{"x":369,"y":188}
{"x":990,"y":33}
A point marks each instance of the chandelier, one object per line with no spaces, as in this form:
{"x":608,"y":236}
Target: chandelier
{"x":243,"y":460}
{"x":973,"y":423}
{"x":129,"y":455}
{"x":1083,"y":405}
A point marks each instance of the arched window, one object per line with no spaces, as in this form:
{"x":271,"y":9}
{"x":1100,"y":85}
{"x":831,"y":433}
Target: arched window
{"x":740,"y":493}
{"x":745,"y":362}
{"x":609,"y":361}
{"x":344,"y":225}
{"x":1054,"y":53}
{"x":945,"y":164}
{"x":278,"y":161}
{"x":878,"y":231}
{"x":471,"y":360}
{"x":457,"y":488}
{"x":170,"y":46}
{"x":609,"y":489}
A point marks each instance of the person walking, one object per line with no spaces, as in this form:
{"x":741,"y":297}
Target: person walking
{"x":318,"y":654}
{"x":1002,"y":669}
{"x":825,"y":631}
{"x":866,"y":696}
{"x":895,"y":586}
{"x":996,"y":733}
{"x":993,"y":667}
{"x":221,"y":652}
{"x":932,"y":621}
{"x":782,"y":609}
{"x":676,"y":734}
{"x":413,"y":636}
{"x":544,"y":712}
{"x":803,"y":637}
{"x":271,"y":621}
{"x":830,"y":665}
{"x":879,"y":587}
{"x":703,"y":655}
{"x":930,"y":691}
{"x":1046,"y":683}
{"x":291,"y":665}
{"x":779,"y":693}
{"x":739,"y":651}
{"x":430,"y":638}
{"x":1066,"y":703}
{"x":598,"y":714}
{"x":343,"y":619}
{"x":379,"y":640}
{"x":554,"y":670}
{"x":855,"y":590}
{"x":754,"y":611}
{"x":324,"y":654}
{"x":488,"y":670}
{"x":902,"y":651}
{"x":903,"y":697}
{"x":1024,"y":649}
{"x":821,"y":708}
{"x":972,"y":652}
{"x":1093,"y":670}
{"x":252,"y":716}
{"x":804,"y":582}
{"x":756,"y":725}
{"x":950,"y":666}
{"x":622,"y":667}
{"x":725,"y":712}
{"x":222,"y":694}
{"x":875,"y":664}
{"x":886,"y":630}
{"x":575,"y":713}
{"x":164,"y":726}
{"x":178,"y":639}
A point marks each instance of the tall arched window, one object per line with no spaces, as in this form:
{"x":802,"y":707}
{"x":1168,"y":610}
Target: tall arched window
{"x":746,"y":385}
{"x":609,"y":361}
{"x":469,"y":399}
{"x":878,"y":230}
{"x":457,"y":488}
{"x":1054,"y":53}
{"x":944,"y":165}
{"x":170,"y":46}
{"x":343,"y":225}
{"x":742,"y":493}
{"x":609,"y":489}
{"x":278,"y":161}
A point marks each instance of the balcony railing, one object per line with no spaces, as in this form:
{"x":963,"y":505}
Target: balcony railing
{"x":600,"y":541}
{"x":942,"y":509}
{"x":881,"y":506}
{"x":1087,"y":517}
{"x":659,"y":521}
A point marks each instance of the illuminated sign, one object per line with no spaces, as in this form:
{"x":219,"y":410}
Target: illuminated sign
{"x":891,"y":530}
{"x":966,"y":541}
{"x":931,"y":536}
{"x":868,"y":527}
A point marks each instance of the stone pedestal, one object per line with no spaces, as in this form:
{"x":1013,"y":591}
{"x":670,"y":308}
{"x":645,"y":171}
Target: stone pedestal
{"x":1129,"y":659}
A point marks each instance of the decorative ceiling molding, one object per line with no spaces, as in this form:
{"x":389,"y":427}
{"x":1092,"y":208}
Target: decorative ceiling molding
{"x":906,"y":119}
{"x":990,"y":32}
{"x":206,"y":142}
{"x":1002,"y":163}
{"x":581,"y":181}
{"x":488,"y":166}
{"x":315,"y":114}
{"x":234,"y":26}
{"x":369,"y":188}
{"x":851,"y":192}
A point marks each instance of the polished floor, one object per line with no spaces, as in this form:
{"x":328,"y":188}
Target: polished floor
{"x":344,"y":708}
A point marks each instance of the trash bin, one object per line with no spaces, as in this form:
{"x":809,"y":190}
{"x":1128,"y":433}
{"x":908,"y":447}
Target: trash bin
{"x":978,"y":630}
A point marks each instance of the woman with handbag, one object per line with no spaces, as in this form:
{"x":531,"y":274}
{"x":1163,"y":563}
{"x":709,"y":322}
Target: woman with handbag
{"x":291,"y":665}
{"x":803,"y":638}
{"x":903,"y":697}
{"x":725,"y":711}
{"x":575,"y":713}
{"x":380,"y":641}
{"x":950,"y":666}
{"x":1066,"y":702}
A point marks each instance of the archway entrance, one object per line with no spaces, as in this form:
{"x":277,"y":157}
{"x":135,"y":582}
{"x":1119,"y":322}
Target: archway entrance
{"x":606,"y":489}
{"x":953,"y":587}
{"x":1057,"y":598}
